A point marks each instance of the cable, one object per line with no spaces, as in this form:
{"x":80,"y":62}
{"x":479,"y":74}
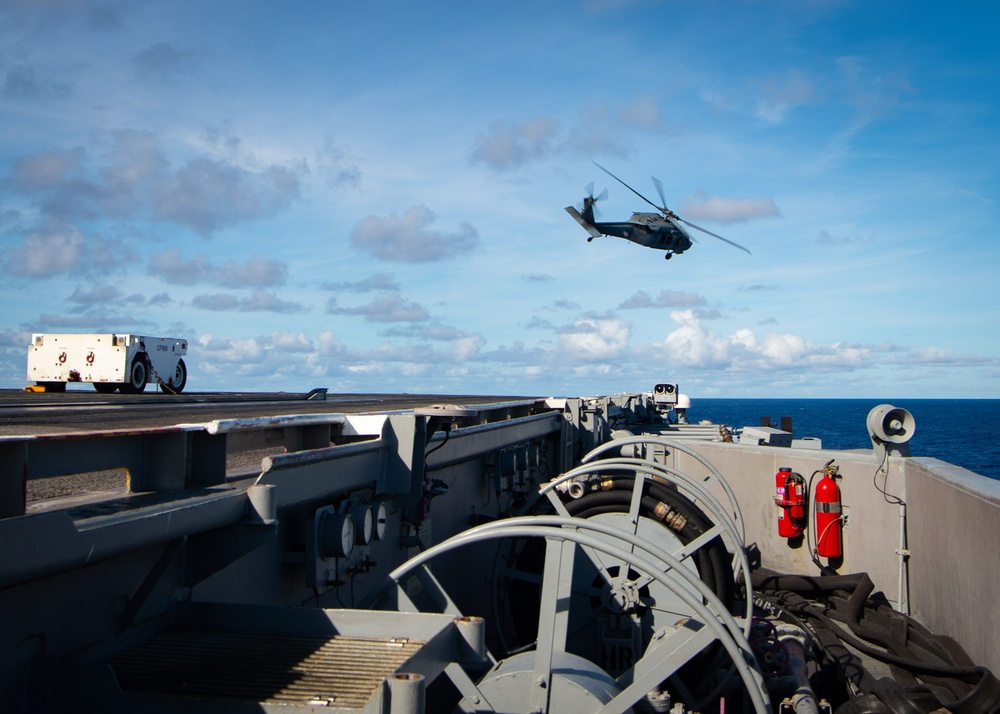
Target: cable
{"x":884,"y":467}
{"x":446,"y":428}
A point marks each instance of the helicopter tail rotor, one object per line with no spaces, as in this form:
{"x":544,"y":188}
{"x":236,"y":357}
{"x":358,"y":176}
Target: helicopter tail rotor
{"x":590,"y":201}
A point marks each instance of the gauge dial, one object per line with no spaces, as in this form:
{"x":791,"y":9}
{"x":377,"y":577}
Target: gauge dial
{"x":348,"y":535}
{"x":381,"y":520}
{"x":336,"y":536}
{"x":364,"y":519}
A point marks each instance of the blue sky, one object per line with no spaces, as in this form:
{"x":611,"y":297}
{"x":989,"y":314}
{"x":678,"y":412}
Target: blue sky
{"x":369,"y":196}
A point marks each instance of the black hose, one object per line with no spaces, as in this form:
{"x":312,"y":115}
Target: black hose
{"x":936,"y":670}
{"x":865,"y":704}
{"x":713,"y":560}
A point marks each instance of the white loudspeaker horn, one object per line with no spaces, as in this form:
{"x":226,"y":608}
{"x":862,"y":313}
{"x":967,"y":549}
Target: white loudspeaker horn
{"x":890,"y":428}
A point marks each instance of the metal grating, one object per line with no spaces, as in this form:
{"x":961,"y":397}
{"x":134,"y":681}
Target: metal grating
{"x":264,"y":668}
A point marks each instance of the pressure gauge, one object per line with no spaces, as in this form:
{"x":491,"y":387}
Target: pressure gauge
{"x":337,"y":534}
{"x":364,"y":519}
{"x":381,"y":520}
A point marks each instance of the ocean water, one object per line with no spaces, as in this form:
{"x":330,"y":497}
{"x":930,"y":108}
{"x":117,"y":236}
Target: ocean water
{"x":960,"y":431}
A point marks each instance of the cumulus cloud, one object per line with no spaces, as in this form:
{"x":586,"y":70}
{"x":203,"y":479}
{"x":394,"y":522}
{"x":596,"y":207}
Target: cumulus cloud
{"x":692,"y":345}
{"x":538,"y":323}
{"x":379,"y":282}
{"x":207,"y":194}
{"x":259,"y":301}
{"x":171,"y":267}
{"x":287,"y":341}
{"x":49,"y":171}
{"x":334,"y":164}
{"x":96,"y":295}
{"x":228,"y":350}
{"x":727,"y":210}
{"x":505,"y":146}
{"x":385,"y":308}
{"x":666,"y":298}
{"x":133,"y":180}
{"x":595,"y":338}
{"x":434,"y":331}
{"x":408,"y":238}
{"x":565,"y":305}
{"x":55,"y":249}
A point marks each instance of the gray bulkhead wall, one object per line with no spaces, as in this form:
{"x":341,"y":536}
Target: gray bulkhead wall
{"x":954,"y":543}
{"x":949,"y":578}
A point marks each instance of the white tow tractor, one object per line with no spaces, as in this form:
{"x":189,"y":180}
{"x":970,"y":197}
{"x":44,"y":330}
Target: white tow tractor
{"x":110,"y":361}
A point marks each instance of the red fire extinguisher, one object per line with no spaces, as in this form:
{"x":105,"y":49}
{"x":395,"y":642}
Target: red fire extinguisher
{"x":829,"y":521}
{"x":791,"y":500}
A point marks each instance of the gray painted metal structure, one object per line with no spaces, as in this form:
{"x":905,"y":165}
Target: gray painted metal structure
{"x":267,"y":536}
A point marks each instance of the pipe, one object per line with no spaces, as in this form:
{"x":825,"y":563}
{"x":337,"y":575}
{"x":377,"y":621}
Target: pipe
{"x":804,"y":699}
{"x":406,"y":693}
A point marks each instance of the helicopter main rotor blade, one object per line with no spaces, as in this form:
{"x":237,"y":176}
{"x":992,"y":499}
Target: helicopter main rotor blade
{"x":626,"y":186}
{"x":725,"y":240}
{"x":659,"y":190}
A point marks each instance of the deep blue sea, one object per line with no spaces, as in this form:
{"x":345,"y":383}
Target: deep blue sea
{"x":960,"y":431}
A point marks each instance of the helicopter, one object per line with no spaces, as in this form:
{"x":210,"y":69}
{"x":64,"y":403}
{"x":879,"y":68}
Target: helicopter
{"x":659,"y":231}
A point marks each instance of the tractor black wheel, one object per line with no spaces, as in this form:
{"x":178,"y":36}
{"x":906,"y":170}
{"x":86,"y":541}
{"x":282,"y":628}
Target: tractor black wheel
{"x":175,"y":385}
{"x":138,"y":376}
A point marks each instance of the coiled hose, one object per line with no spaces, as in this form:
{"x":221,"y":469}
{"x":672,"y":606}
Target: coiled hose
{"x":930,"y":671}
{"x":713,"y":561}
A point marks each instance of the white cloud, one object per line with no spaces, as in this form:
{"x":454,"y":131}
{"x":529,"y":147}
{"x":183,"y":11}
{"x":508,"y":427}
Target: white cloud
{"x":700,"y":206}
{"x":384,"y":308}
{"x":505,"y":146}
{"x":259,"y":301}
{"x":595,"y":339}
{"x":170,"y":266}
{"x":287,"y":341}
{"x":408,"y":238}
{"x":376,"y":282}
{"x":692,"y":345}
{"x":666,"y":298}
{"x":135,"y":181}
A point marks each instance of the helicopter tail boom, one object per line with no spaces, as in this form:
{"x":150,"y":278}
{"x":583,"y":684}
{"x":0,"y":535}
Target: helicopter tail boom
{"x":587,"y":226}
